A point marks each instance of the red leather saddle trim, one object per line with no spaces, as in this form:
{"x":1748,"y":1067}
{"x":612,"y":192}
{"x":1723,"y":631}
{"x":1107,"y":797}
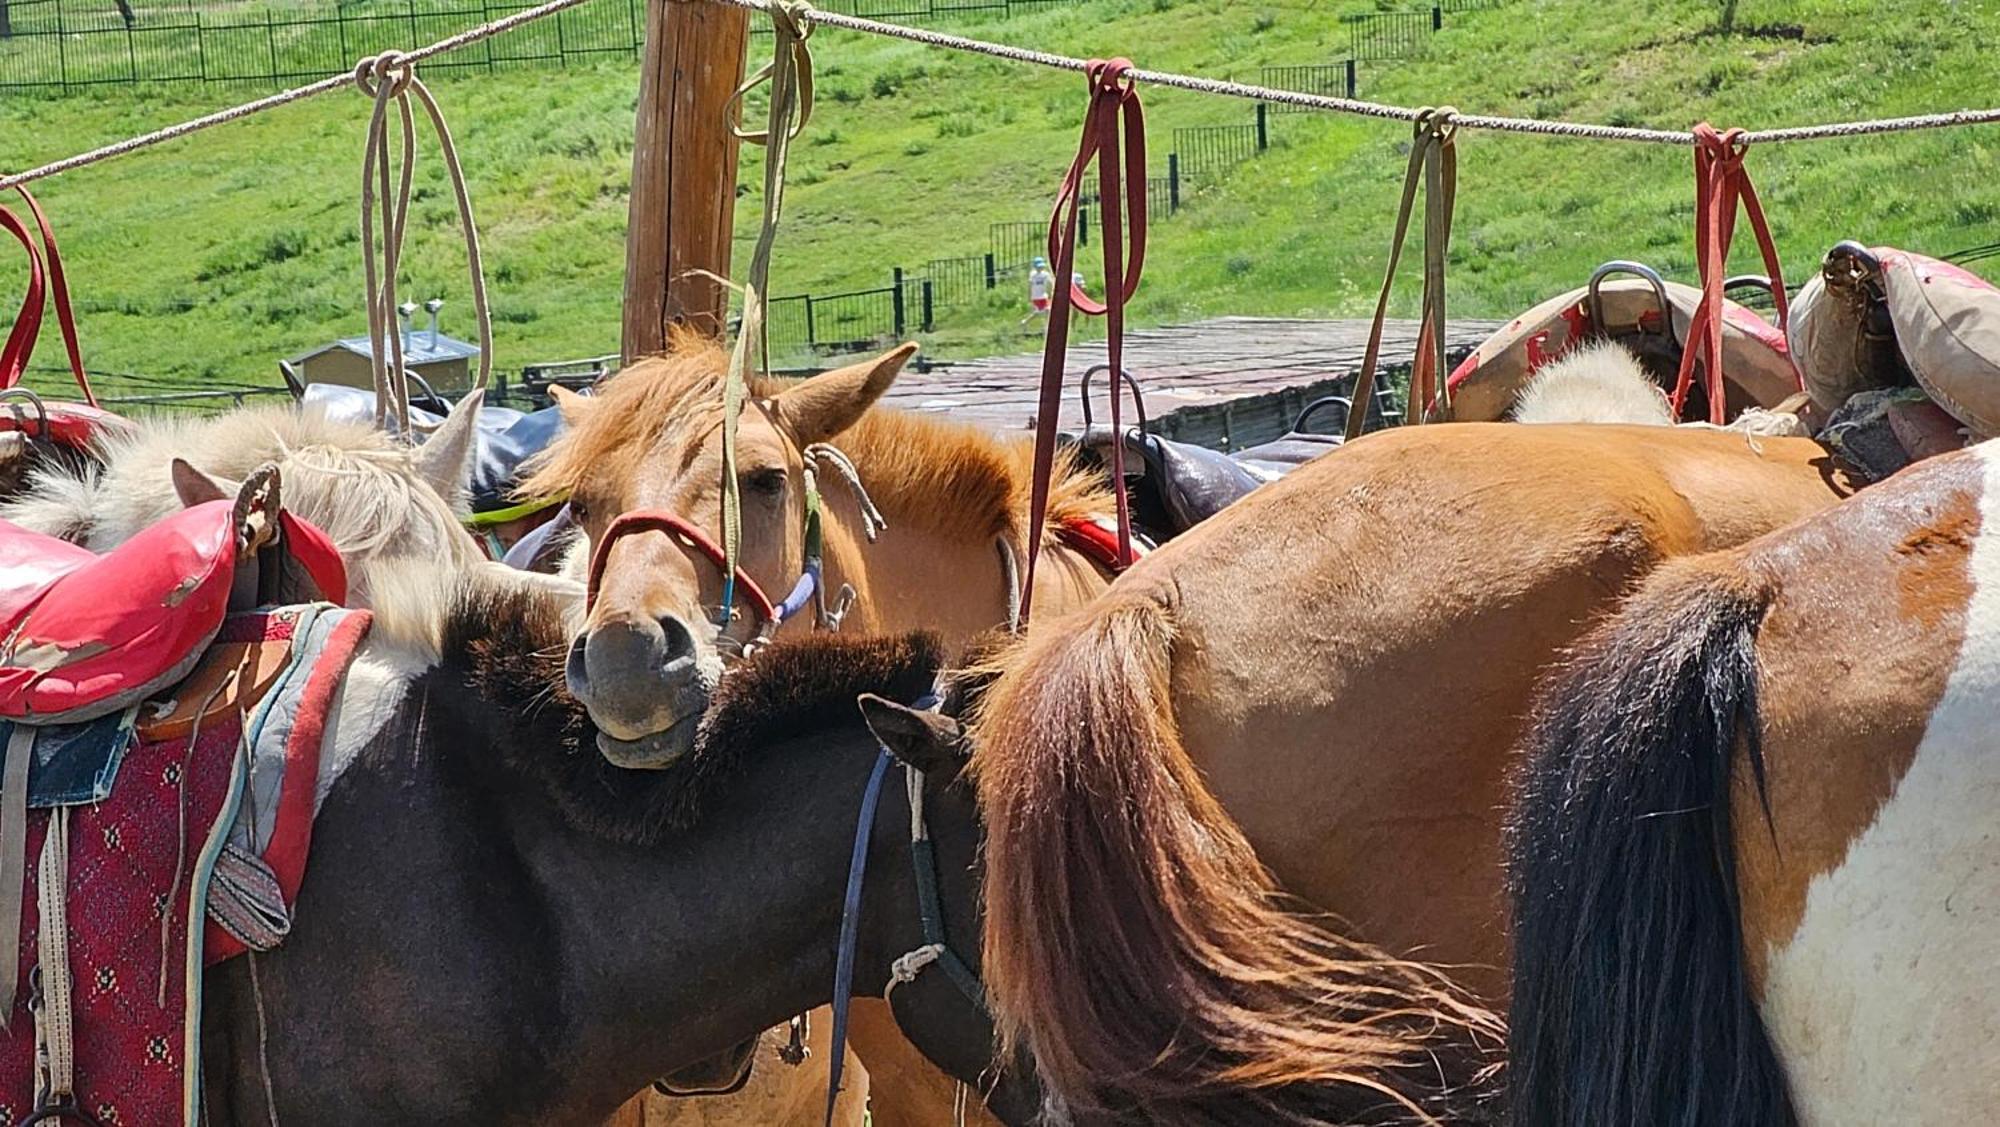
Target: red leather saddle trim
{"x":85,"y":634}
{"x":315,"y":551}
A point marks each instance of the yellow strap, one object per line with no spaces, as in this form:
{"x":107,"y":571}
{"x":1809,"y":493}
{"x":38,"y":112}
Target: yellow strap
{"x":1434,"y":163}
{"x":790,"y":76}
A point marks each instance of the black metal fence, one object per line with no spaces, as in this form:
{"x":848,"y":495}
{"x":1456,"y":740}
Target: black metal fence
{"x":1335,"y":80}
{"x":1209,"y":150}
{"x":1393,"y":35}
{"x":960,"y":281}
{"x":62,"y":44}
{"x":844,"y":322}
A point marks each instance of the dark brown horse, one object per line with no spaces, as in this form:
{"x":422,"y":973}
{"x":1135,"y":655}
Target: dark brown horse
{"x":499,"y":927}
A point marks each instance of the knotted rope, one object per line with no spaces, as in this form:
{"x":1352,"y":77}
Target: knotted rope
{"x":789,"y":74}
{"x":1720,"y":180}
{"x":386,"y":78}
{"x":1114,"y":109}
{"x":1434,"y":165}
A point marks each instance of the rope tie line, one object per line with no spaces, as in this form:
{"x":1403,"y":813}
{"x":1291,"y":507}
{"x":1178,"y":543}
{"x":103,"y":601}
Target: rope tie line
{"x":1720,"y":182}
{"x":1434,"y":165}
{"x":391,"y":77}
{"x":1113,"y":113}
{"x":789,"y":74}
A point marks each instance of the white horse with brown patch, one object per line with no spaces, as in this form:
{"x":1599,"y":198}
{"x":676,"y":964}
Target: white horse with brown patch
{"x":1757,"y":849}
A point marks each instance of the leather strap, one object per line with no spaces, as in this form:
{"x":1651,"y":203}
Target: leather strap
{"x":13,"y":862}
{"x":27,"y":327}
{"x":1720,"y":181}
{"x":642,"y":520}
{"x":1114,"y":113}
{"x":1434,"y":164}
{"x":850,"y":928}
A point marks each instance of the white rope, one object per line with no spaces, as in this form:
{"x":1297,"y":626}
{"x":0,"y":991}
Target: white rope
{"x":872,"y":521}
{"x":55,"y":1031}
{"x":1328,"y":103}
{"x":906,"y":968}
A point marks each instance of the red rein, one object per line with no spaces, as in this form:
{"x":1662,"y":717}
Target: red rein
{"x":21,"y":341}
{"x":648,"y":520}
{"x":1114,"y":110}
{"x":1720,"y":182}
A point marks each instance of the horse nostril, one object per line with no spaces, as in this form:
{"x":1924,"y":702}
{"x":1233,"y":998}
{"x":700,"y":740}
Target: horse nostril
{"x":677,"y":650}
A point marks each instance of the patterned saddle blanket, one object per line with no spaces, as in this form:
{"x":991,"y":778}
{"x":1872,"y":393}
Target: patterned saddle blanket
{"x":160,"y":839}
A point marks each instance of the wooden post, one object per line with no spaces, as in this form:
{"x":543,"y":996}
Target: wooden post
{"x":683,"y":171}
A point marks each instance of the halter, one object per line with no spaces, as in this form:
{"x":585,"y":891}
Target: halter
{"x":930,"y":912}
{"x":808,"y":589}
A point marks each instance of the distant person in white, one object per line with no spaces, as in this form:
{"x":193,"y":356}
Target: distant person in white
{"x":1041,"y":284}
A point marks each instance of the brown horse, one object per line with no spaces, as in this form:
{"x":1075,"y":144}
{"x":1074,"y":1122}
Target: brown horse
{"x":955,"y":502}
{"x":1756,"y":874}
{"x":1341,"y":662}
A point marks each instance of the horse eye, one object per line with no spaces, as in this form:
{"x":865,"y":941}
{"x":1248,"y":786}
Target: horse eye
{"x":767,"y":483}
{"x":578,"y":511}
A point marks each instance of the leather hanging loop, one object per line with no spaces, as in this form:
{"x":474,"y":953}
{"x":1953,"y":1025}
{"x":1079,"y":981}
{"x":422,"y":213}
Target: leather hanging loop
{"x":1113,"y":119}
{"x":1721,"y":185}
{"x":1433,"y":166}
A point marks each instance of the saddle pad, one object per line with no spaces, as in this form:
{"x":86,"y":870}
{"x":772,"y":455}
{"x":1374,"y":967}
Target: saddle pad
{"x":1098,"y":540}
{"x":137,"y":882}
{"x":75,"y":764}
{"x":86,"y":635}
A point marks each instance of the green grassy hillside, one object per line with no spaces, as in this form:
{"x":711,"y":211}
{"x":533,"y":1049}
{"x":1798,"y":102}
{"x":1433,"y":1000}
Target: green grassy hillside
{"x":240,"y":246}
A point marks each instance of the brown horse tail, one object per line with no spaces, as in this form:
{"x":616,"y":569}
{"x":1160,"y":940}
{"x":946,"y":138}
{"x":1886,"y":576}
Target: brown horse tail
{"x":1631,"y":1003}
{"x":1135,"y":946}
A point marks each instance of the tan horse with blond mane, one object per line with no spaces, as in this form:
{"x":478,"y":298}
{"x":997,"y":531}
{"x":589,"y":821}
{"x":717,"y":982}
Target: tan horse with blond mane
{"x":1342,"y":662}
{"x":955,"y":504}
{"x":1756,"y":874}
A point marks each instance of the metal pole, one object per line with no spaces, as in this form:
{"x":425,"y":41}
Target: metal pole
{"x":1263,"y":126}
{"x":1350,"y":78}
{"x":1173,"y":182}
{"x":927,"y":304}
{"x":896,"y":299}
{"x":1437,"y":18}
{"x":271,"y":44}
{"x":812,"y":338}
{"x":992,"y":275}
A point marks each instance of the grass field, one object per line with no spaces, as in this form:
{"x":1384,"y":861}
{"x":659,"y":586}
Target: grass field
{"x":240,"y":246}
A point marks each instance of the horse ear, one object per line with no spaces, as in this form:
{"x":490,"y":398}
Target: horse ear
{"x":445,"y":458}
{"x":929,"y":741}
{"x":195,"y":487}
{"x":826,"y":404}
{"x":575,"y":408}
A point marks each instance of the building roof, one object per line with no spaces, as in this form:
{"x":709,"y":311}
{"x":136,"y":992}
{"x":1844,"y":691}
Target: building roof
{"x":419,"y":347}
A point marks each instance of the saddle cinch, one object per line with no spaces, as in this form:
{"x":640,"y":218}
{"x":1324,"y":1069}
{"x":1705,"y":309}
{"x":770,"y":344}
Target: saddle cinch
{"x":151,"y":698}
{"x":1173,"y":486}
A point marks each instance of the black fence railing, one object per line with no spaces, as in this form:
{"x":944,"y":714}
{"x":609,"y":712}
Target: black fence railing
{"x":67,"y":43}
{"x":1393,"y":35}
{"x":1335,"y":80}
{"x":819,"y":324}
{"x":1209,"y":150}
{"x":960,"y":281}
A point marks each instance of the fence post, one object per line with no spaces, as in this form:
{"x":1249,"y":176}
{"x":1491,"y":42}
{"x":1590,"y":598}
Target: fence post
{"x":341,"y":23}
{"x":896,"y":299}
{"x":812,"y":336}
{"x":1437,"y":17}
{"x":131,"y":54}
{"x":1083,"y":226}
{"x":927,"y":304}
{"x":1263,"y":126}
{"x":1350,"y":78}
{"x":992,"y":275}
{"x":1173,"y":182}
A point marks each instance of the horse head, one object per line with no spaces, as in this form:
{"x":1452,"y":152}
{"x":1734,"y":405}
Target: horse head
{"x":650,"y":652}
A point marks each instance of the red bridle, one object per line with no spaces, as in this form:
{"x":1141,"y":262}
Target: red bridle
{"x":654,"y":520}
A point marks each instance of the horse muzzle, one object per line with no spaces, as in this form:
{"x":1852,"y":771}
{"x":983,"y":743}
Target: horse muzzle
{"x":646,"y":684}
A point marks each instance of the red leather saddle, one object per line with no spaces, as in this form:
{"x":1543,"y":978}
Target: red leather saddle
{"x":84,"y":635}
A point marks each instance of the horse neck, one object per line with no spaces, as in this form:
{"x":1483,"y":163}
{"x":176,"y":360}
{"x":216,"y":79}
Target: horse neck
{"x":597,"y":962}
{"x":914,"y":578}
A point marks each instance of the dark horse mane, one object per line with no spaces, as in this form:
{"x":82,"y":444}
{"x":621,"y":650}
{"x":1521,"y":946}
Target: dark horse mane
{"x":1631,"y":1002}
{"x":508,"y":646}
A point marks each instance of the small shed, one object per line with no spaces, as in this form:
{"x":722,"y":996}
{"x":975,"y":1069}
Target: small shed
{"x":443,"y":362}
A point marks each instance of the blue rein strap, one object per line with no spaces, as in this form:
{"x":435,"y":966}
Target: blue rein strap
{"x":850,"y":927}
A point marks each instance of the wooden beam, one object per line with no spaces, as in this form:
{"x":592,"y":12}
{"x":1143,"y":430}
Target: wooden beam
{"x":683,"y":171}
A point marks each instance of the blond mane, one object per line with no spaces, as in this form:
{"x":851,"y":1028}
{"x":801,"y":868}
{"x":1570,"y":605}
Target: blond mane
{"x":945,"y":477}
{"x":353,"y":482}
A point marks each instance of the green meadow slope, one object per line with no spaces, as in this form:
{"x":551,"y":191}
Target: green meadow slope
{"x":209,"y":258}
